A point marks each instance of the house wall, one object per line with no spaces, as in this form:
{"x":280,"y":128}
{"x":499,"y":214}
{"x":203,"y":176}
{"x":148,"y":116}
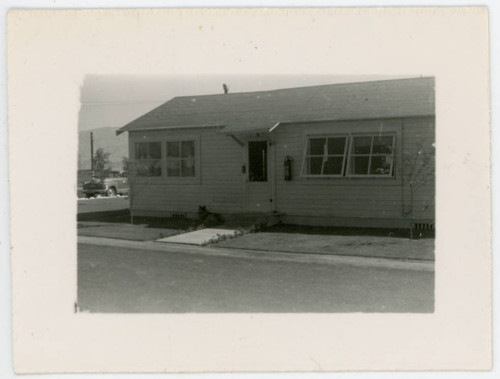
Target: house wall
{"x":219,"y":184}
{"x":351,"y":201}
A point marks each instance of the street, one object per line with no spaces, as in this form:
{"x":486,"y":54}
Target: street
{"x":129,"y":279}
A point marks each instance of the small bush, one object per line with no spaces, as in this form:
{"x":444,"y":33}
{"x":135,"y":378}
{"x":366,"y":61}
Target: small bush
{"x":224,"y":237}
{"x":258,"y":227}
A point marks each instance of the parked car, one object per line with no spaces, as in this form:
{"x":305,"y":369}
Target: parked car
{"x":114,"y":183}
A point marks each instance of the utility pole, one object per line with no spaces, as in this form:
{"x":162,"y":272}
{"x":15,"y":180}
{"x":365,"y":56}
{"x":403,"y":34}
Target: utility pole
{"x":92,"y":151}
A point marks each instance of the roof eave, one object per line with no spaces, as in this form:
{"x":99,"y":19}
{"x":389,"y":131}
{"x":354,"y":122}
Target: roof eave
{"x":170,"y":127}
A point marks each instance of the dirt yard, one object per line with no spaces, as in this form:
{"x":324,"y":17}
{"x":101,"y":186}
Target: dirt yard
{"x":362,"y":245}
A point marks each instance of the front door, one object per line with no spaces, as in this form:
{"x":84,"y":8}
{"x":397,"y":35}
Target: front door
{"x":258,"y":178}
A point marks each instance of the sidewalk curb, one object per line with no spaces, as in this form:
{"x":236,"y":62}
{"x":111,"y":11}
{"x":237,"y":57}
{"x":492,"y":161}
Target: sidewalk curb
{"x":263,"y":255}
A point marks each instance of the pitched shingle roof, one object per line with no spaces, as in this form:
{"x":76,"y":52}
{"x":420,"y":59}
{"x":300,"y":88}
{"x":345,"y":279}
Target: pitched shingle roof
{"x":249,"y":111}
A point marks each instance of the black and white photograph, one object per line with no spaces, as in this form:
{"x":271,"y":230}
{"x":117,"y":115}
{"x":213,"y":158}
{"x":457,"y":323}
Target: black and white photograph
{"x":250,"y":190}
{"x":230,"y":198}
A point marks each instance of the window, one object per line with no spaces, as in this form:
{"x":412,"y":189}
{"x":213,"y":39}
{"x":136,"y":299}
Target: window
{"x":257,"y":161}
{"x":349,"y":155}
{"x":325,"y":156}
{"x":148,"y":158}
{"x":181,"y":159}
{"x":372,"y":155}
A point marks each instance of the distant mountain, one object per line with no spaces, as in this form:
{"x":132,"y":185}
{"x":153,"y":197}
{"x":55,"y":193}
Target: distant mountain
{"x":107,"y":139}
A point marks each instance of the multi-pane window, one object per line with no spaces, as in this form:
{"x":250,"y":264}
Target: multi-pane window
{"x":325,"y":156}
{"x":372,"y":155}
{"x":148,"y":158}
{"x":181,"y":159}
{"x":349,"y":155}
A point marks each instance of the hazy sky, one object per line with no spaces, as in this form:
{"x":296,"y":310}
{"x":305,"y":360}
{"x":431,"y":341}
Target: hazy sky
{"x":116,"y":100}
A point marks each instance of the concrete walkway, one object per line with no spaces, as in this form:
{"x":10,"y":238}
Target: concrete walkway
{"x":199,"y":237}
{"x":261,"y":255}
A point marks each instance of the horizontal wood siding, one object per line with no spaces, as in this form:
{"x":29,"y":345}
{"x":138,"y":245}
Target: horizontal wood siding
{"x":220,"y":187}
{"x":420,"y":132}
{"x":350,"y":197}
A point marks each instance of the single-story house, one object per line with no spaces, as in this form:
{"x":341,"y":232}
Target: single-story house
{"x":322,"y":155}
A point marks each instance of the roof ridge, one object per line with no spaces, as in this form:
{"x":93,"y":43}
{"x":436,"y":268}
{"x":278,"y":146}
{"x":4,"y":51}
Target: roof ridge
{"x":303,"y":87}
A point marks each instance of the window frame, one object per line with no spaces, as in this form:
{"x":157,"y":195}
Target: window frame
{"x":351,"y":154}
{"x":138,"y":160}
{"x":196,"y":179}
{"x":180,"y":159}
{"x":306,"y":156}
{"x":348,"y":155}
{"x":162,"y":139}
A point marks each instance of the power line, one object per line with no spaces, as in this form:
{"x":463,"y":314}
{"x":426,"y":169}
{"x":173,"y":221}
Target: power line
{"x":119,"y":102}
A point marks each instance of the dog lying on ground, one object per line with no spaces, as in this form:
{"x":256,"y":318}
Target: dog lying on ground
{"x":206,"y":217}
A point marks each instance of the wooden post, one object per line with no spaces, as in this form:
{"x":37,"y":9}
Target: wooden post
{"x":92,"y":152}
